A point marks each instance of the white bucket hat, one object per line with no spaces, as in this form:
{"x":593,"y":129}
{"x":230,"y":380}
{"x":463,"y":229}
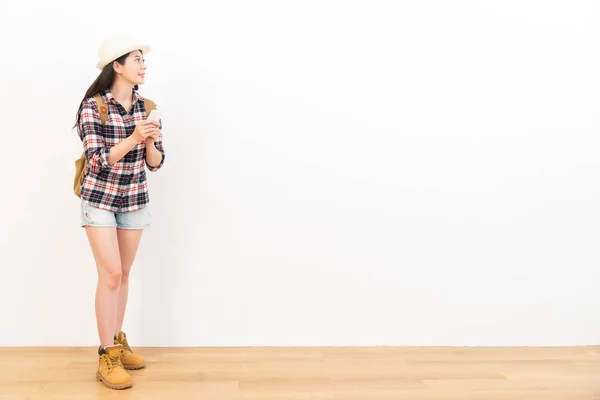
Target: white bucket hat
{"x":117,"y":44}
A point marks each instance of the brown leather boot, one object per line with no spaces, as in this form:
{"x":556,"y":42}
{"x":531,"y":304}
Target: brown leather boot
{"x":128,"y":358}
{"x":110,"y":369}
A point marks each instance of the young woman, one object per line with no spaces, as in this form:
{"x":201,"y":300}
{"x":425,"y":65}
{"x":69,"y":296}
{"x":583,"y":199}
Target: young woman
{"x":114,"y":191}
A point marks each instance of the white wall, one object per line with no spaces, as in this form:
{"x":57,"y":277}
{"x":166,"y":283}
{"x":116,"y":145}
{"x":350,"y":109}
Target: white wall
{"x":337,"y":173}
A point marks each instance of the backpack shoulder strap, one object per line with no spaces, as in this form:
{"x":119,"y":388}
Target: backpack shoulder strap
{"x":102,"y":108}
{"x":149,"y":106}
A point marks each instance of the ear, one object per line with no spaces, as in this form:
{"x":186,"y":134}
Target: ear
{"x":117,"y":67}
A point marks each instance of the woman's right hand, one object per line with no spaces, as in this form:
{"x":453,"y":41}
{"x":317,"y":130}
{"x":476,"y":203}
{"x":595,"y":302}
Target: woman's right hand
{"x":143,"y":130}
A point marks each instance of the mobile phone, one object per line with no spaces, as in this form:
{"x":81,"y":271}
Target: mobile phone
{"x":155,"y":115}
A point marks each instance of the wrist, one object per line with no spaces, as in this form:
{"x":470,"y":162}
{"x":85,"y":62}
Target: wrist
{"x":131,"y":141}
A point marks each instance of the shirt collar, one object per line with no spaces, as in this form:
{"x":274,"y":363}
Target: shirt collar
{"x":108,"y":97}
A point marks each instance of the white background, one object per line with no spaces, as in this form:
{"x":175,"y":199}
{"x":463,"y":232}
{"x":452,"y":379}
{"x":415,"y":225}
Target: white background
{"x":337,"y":173}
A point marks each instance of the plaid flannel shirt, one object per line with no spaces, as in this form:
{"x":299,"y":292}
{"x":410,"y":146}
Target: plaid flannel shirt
{"x":123,"y":186}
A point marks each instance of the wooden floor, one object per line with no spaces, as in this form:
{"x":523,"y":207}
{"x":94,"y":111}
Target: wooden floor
{"x":360,"y":373}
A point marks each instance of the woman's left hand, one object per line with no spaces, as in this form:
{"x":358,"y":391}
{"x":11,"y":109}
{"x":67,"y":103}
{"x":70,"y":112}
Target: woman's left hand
{"x":154,"y":136}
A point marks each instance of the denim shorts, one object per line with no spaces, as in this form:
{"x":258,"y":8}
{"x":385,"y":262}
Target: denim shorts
{"x":93,"y":216}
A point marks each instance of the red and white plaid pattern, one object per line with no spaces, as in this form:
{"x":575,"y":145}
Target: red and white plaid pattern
{"x":121,"y":187}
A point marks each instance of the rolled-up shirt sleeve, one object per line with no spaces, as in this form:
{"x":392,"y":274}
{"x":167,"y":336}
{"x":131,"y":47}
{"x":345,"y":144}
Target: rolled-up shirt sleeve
{"x":90,"y":132}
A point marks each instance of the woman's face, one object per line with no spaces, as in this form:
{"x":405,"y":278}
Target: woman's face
{"x":134,"y":69}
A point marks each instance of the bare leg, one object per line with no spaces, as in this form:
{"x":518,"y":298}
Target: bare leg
{"x":129,"y":241}
{"x":105,"y":248}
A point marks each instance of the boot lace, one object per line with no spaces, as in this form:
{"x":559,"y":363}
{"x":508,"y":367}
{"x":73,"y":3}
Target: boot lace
{"x":125,"y":345}
{"x":113,"y":361}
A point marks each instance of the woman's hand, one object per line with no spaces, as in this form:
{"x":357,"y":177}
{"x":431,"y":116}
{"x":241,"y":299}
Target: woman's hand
{"x":155,"y":135}
{"x":153,"y":138}
{"x":145,"y":131}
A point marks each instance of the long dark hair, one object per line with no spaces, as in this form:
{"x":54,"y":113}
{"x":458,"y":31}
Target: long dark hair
{"x":103,"y":81}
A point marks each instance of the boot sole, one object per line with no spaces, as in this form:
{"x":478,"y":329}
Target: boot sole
{"x":110,"y":385}
{"x":134,"y":366}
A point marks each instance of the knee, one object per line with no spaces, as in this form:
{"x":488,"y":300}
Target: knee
{"x":125,"y":275}
{"x":113,"y":277}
